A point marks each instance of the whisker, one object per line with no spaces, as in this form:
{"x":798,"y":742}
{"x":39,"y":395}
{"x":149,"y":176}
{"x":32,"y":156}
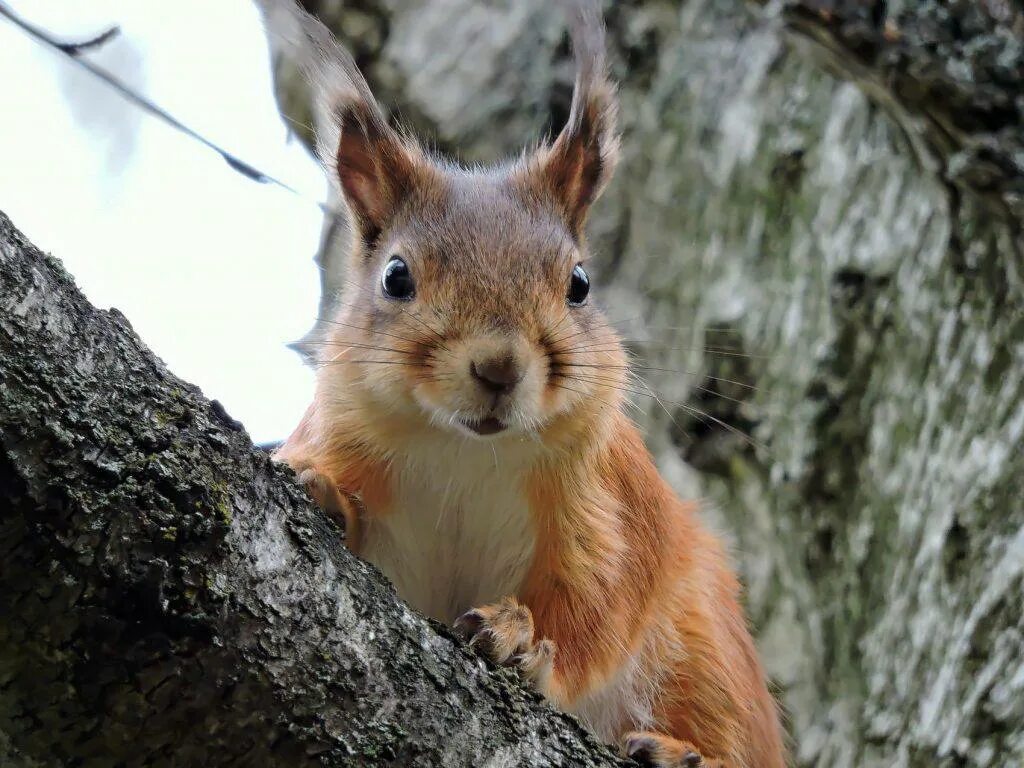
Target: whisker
{"x":657,"y":399}
{"x":738,"y":432}
{"x":361,"y":328}
{"x":700,"y":388}
{"x":602,"y":347}
{"x":715,"y":393}
{"x":358,"y":345}
{"x":618,"y":386}
{"x":438,"y":337}
{"x":719,"y":329}
{"x":663,"y":370}
{"x":586,"y":330}
{"x":563,"y":338}
{"x":571,"y":389}
{"x":582,"y":331}
{"x":554,"y":329}
{"x":722,"y":379}
{"x":685,"y":406}
{"x":710,"y":329}
{"x":629,"y":403}
{"x":379,"y":362}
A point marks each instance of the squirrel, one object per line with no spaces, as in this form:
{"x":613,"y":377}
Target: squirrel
{"x":468,"y":430}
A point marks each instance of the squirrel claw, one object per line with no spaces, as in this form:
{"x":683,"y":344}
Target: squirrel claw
{"x":657,"y":750}
{"x":503,"y":632}
{"x":469,"y":625}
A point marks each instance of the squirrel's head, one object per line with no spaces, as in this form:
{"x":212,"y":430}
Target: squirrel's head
{"x":468,"y":306}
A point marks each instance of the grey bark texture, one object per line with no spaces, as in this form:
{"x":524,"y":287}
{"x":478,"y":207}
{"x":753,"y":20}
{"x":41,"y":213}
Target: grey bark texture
{"x":822,"y":201}
{"x":169,"y":597}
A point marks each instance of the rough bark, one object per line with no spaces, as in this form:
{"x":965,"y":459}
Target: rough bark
{"x":839,"y":184}
{"x":170,"y":597}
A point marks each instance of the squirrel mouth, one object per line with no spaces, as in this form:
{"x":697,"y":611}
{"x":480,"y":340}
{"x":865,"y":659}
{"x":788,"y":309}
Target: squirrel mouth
{"x":488,"y":426}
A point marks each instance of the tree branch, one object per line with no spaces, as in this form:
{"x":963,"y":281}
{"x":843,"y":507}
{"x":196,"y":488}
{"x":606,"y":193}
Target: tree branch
{"x":170,"y":597}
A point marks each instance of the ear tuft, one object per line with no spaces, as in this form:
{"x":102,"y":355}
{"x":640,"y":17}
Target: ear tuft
{"x":581,"y":161}
{"x":373,"y":166}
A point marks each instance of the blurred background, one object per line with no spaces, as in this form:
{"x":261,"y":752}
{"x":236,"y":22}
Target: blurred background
{"x":214,"y":271}
{"x":813,"y":248}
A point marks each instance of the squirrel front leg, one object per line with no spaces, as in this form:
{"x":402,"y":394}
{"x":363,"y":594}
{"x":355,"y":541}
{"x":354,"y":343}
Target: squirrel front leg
{"x":344,"y":508}
{"x":504,"y":632}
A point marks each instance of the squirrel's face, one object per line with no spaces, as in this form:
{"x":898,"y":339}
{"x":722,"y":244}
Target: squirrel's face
{"x":467,"y":307}
{"x":471,"y":313}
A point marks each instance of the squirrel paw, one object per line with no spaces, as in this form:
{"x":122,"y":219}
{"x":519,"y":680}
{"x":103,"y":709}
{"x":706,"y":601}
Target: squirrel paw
{"x":340,"y":506}
{"x":503,"y":632}
{"x":658,"y":750}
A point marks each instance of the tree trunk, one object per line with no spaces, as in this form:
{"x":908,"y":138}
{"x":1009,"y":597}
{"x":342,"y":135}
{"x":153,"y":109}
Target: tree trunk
{"x":821,"y":201}
{"x":168,"y":596}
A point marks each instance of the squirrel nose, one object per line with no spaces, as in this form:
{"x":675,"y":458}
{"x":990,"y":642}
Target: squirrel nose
{"x":498,"y":375}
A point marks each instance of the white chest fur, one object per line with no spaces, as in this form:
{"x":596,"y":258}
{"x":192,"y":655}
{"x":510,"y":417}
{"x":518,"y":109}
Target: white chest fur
{"x":458,"y":533}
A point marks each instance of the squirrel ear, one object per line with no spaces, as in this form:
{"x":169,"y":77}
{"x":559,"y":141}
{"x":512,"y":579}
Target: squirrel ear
{"x":374,"y":166}
{"x":580,"y":162}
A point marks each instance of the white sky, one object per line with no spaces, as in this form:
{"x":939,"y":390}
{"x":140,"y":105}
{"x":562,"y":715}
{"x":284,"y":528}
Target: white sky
{"x":214,"y":271}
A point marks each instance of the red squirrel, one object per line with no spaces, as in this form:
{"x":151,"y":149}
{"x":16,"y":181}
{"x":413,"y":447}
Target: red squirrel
{"x":468,"y":428}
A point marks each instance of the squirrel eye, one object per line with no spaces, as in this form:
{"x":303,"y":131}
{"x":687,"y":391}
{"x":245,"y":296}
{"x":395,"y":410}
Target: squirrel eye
{"x":579,"y":287}
{"x":396,"y":280}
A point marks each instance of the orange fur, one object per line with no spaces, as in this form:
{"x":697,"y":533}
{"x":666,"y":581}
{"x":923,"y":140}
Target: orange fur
{"x":632,"y":559}
{"x":622,"y":567}
{"x":550,"y":532}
